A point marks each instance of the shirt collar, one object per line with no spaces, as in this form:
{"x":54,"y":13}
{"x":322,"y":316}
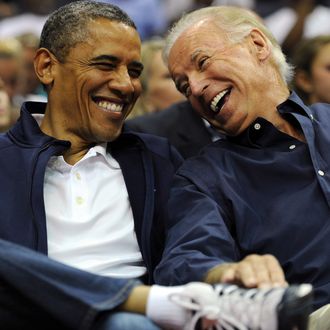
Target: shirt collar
{"x":294,"y":104}
{"x":100,"y":149}
{"x":58,"y":162}
{"x":262,"y":133}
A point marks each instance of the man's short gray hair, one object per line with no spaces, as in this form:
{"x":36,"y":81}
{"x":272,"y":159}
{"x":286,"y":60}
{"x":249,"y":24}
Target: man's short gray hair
{"x":237,"y":23}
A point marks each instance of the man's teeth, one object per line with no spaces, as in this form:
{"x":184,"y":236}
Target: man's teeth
{"x":216,"y":100}
{"x":110,"y":106}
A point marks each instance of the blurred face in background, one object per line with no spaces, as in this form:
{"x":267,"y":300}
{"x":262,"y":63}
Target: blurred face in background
{"x":161,"y":91}
{"x":5,"y":114}
{"x":9,"y":73}
{"x":320,"y":76}
{"x":29,"y":81}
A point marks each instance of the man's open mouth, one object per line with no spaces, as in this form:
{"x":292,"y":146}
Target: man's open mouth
{"x":219,"y":100}
{"x":108,"y":105}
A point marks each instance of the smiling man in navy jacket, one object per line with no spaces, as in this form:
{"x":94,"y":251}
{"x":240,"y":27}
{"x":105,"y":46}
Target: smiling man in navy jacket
{"x":76,"y":188}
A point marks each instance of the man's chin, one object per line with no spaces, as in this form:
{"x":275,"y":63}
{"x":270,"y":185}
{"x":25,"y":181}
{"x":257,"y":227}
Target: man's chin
{"x":111,"y":136}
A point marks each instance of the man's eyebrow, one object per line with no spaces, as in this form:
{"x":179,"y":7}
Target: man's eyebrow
{"x":194,"y":55}
{"x":109,"y":58}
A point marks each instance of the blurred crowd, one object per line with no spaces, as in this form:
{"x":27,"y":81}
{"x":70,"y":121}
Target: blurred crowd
{"x":301,"y":26}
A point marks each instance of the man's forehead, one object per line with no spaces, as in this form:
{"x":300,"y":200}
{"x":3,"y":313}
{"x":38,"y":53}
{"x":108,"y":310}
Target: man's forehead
{"x":108,"y":38}
{"x":205,"y":24}
{"x":200,"y":34}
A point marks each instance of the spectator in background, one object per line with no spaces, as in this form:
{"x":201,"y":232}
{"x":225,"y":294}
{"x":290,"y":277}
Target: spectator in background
{"x":14,"y":26}
{"x":7,"y":9}
{"x":29,"y":87}
{"x":5,"y":110}
{"x":10,"y":64}
{"x":298,"y":20}
{"x":249,"y":4}
{"x":312,"y":70}
{"x":158,"y":89}
{"x":173,"y":9}
{"x":38,"y":7}
{"x":147,"y":15}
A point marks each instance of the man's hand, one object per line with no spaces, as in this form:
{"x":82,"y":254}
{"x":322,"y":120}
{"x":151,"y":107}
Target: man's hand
{"x":253,"y":271}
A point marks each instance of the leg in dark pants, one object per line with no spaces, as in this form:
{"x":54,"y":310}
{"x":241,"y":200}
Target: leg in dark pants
{"x":49,"y":295}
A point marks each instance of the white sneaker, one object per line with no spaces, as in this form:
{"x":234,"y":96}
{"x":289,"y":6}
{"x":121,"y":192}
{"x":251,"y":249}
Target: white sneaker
{"x":201,"y":300}
{"x":232,"y":307}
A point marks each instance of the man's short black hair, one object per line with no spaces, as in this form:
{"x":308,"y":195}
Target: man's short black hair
{"x":66,"y":27}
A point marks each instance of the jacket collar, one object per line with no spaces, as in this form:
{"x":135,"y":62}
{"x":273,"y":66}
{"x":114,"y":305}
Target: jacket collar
{"x":26,"y":131}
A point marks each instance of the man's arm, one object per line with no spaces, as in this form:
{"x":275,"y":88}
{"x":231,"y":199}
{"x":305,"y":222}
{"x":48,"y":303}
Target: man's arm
{"x":137,"y":300}
{"x":200,"y":246}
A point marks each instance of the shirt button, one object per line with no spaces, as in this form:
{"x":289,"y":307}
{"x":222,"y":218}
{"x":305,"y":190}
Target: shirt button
{"x":311,"y":117}
{"x":292,"y":146}
{"x":320,"y":172}
{"x":257,"y":126}
{"x":79,"y":200}
{"x":78,"y":176}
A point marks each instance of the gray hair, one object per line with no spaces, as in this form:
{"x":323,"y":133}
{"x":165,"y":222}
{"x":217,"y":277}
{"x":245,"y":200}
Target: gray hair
{"x":237,"y":23}
{"x":66,"y":27}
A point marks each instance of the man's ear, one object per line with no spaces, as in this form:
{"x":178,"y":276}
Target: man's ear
{"x":44,"y":62}
{"x":302,"y":81}
{"x":260,"y":44}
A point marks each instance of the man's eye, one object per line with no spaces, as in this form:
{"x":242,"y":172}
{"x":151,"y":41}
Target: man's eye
{"x":202,"y":62}
{"x":105,"y":66}
{"x":185,"y":90}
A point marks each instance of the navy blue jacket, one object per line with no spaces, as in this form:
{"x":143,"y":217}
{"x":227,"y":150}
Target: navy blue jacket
{"x":260,"y":192}
{"x":148,"y":164}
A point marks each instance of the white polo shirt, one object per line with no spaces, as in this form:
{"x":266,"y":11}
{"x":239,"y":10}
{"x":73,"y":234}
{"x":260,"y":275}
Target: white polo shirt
{"x":89,"y":218}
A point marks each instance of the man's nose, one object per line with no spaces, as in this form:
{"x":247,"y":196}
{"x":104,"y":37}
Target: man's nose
{"x":122,"y":82}
{"x":197,"y":85}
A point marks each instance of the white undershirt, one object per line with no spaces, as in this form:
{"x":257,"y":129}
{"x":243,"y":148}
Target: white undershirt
{"x":89,"y":218}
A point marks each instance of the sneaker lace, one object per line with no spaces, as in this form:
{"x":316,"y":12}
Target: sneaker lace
{"x":223,"y":319}
{"x":245,"y":305}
